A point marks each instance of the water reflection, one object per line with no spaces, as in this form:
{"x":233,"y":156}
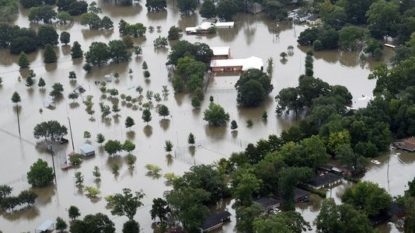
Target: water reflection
{"x":28,"y":213}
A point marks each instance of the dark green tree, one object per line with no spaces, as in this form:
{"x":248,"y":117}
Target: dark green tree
{"x":100,"y":138}
{"x":98,"y":54}
{"x":60,"y":224}
{"x":43,"y":13}
{"x":174,"y":33}
{"x":47,"y":35}
{"x":285,"y":222}
{"x":73,"y":212}
{"x":57,"y":90}
{"x":41,"y":83}
{"x":163,"y":111}
{"x":29,"y":82}
{"x":65,"y":38}
{"x":50,"y":130}
{"x":23,"y":60}
{"x":191,"y":139}
{"x":146,"y":116}
{"x":49,"y":55}
{"x":131,"y":226}
{"x":208,"y":9}
{"x":253,"y":86}
{"x":226,"y":9}
{"x":128,"y":146}
{"x":187,"y":6}
{"x":118,"y":51}
{"x":112,"y":147}
{"x":234,"y":125}
{"x":160,"y":209}
{"x":156,"y":5}
{"x":76,"y":51}
{"x":40,"y":174}
{"x":129,"y":122}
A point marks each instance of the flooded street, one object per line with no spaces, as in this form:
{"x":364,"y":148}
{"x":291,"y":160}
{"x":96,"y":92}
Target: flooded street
{"x":252,"y":36}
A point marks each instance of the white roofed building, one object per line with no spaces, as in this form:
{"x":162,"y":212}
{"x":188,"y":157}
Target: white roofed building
{"x":231,"y":65}
{"x":221,"y":52}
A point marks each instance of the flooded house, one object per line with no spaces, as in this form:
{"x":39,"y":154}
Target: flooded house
{"x":268,"y":204}
{"x":407,"y":144}
{"x":236,"y":65}
{"x":221,"y":53}
{"x":324,"y":180}
{"x":215,"y":221}
{"x":87,"y":150}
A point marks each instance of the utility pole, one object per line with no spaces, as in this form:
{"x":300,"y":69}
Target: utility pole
{"x":53,"y":163}
{"x":70,"y":130}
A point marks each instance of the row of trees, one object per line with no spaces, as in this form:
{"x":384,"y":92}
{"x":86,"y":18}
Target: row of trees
{"x":100,"y":53}
{"x":8,"y":202}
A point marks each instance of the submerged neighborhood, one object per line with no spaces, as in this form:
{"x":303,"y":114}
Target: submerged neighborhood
{"x":207,"y":116}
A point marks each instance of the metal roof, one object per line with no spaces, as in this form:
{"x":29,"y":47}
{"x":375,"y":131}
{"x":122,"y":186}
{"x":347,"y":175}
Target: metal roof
{"x":217,"y":51}
{"x":45,"y":225}
{"x":247,"y":63}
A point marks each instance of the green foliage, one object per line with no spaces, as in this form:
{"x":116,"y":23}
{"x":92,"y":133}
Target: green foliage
{"x":341,"y":218}
{"x":43,"y":13}
{"x":98,"y":54}
{"x":64,"y":17}
{"x":40,"y":174}
{"x":128,"y":146}
{"x":174,"y":33}
{"x":191,"y":139}
{"x":134,"y":30}
{"x":253,"y":87}
{"x":47,"y":35}
{"x":199,"y":51}
{"x":246,"y":215}
{"x":287,"y":222}
{"x":215,"y":115}
{"x":351,"y":37}
{"x":92,"y":192}
{"x":168,"y":146}
{"x":208,"y":9}
{"x":65,"y":38}
{"x":159,"y":209}
{"x":226,"y":9}
{"x":131,"y":226}
{"x":93,"y":223}
{"x":368,"y":197}
{"x":73,"y":212}
{"x":50,"y":130}
{"x":156,"y":5}
{"x":112,"y":147}
{"x":79,"y":179}
{"x":23,"y":60}
{"x":129,"y":122}
{"x":16,"y":98}
{"x":60,"y":224}
{"x":383,"y":18}
{"x":76,"y":51}
{"x":249,"y":123}
{"x":126,"y":203}
{"x":196,"y":102}
{"x":96,"y":173}
{"x":275,"y":10}
{"x":57,"y":90}
{"x":29,"y":81}
{"x":75,"y":159}
{"x":118,"y":51}
{"x":187,"y":6}
{"x":327,"y":36}
{"x":49,"y":55}
{"x":163,"y":111}
{"x":160,"y":42}
{"x":374,"y":48}
{"x":9,"y":9}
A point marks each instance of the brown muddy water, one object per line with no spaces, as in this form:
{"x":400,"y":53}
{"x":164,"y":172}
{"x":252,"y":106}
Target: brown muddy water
{"x":252,"y":36}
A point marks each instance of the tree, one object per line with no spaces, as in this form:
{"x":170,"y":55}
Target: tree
{"x":160,"y":42}
{"x":129,"y":122}
{"x":208,"y":9}
{"x":57,"y":90}
{"x":93,"y":223}
{"x":234,"y":125}
{"x":49,"y":54}
{"x":65,"y":38}
{"x":96,"y":173}
{"x":275,"y":10}
{"x":174,"y":33}
{"x":118,"y":51}
{"x":156,"y":5}
{"x":196,"y":102}
{"x":76,"y":51}
{"x":373,"y":47}
{"x":126,"y":203}
{"x":41,"y":83}
{"x":112,"y":147}
{"x":253,"y":86}
{"x":87,"y":135}
{"x":23,"y":61}
{"x":187,"y":6}
{"x":40,"y":174}
{"x":128,"y":146}
{"x":73,"y":212}
{"x":43,"y":13}
{"x":106,"y":23}
{"x":29,"y":81}
{"x":91,"y":19}
{"x":64,"y":17}
{"x":144,"y":66}
{"x":79,"y":179}
{"x":27,"y":197}
{"x":159,"y":209}
{"x":98,"y":54}
{"x":288,"y":222}
{"x":351,"y":37}
{"x":244,"y":187}
{"x":168,"y":146}
{"x":215,"y":115}
{"x":50,"y":130}
{"x":163,"y":111}
{"x":283,"y":55}
{"x":383,"y":18}
{"x":47,"y":35}
{"x":131,"y":226}
{"x":368,"y":197}
{"x":246,"y":215}
{"x":341,"y":218}
{"x":191,"y":139}
{"x":100,"y":138}
{"x":72,"y":75}
{"x":226,"y":9}
{"x":146,"y":116}
{"x":60,"y":224}
{"x":5,"y":191}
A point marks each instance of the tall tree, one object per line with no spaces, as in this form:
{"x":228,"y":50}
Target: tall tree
{"x":112,"y":147}
{"x":163,"y":111}
{"x":73,"y":212}
{"x":49,"y":54}
{"x":40,"y":174}
{"x":98,"y":54}
{"x":23,"y":61}
{"x":253,"y":86}
{"x":208,"y":9}
{"x":129,"y":122}
{"x":65,"y":38}
{"x":16,"y":100}
{"x":160,"y":209}
{"x":76,"y":51}
{"x":47,"y":35}
{"x":187,"y":6}
{"x":215,"y":115}
{"x":118,"y":51}
{"x":146,"y":116}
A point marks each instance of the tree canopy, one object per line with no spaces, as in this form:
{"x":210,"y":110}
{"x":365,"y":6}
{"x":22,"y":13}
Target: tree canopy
{"x":253,"y":86}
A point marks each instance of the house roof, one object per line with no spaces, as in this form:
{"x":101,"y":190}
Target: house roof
{"x":215,"y":219}
{"x":217,"y":51}
{"x":300,"y":193}
{"x":266,"y":202}
{"x":247,"y":63}
{"x":224,"y":24}
{"x":409,"y":144}
{"x":205,"y":26}
{"x":45,"y":225}
{"x":87,"y":148}
{"x":324,"y":179}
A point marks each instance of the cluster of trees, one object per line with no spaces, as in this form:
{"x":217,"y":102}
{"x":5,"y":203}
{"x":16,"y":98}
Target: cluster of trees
{"x":8,"y":202}
{"x":253,"y":87}
{"x":100,"y":53}
{"x":95,"y":22}
{"x":50,"y":130}
{"x":72,"y":7}
{"x":133,"y":30}
{"x":156,"y":5}
{"x":36,"y":3}
{"x":342,"y":20}
{"x":27,"y":40}
{"x":113,"y":147}
{"x":8,"y":9}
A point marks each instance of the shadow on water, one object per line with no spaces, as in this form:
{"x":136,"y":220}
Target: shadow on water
{"x":157,"y":16}
{"x":148,"y":130}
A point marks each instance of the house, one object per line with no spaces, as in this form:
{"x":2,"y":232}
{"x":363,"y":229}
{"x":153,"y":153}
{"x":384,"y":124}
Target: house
{"x":255,"y":8}
{"x":300,"y":195}
{"x":325,"y":180}
{"x":221,"y":52}
{"x":87,"y":150}
{"x":224,"y":24}
{"x":268,"y":203}
{"x":232,"y":65}
{"x":215,"y":221}
{"x":407,"y":144}
{"x":46,"y":226}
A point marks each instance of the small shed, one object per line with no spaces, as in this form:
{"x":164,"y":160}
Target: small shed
{"x":215,"y":221}
{"x":87,"y":150}
{"x":47,"y":225}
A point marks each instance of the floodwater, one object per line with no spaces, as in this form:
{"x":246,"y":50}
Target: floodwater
{"x":252,"y":36}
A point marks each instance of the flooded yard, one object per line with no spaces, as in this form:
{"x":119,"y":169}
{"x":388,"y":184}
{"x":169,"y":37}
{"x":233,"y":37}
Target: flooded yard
{"x":252,"y":36}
